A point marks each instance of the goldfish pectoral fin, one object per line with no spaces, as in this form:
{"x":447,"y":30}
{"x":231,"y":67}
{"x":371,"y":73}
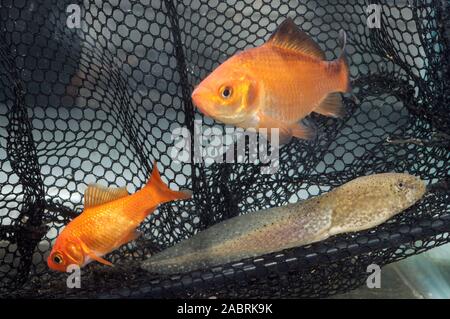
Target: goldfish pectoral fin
{"x":269,"y":124}
{"x":289,"y":36}
{"x":101,"y":260}
{"x":303,"y":131}
{"x":285,"y":130}
{"x":93,"y":255}
{"x":331,"y":106}
{"x":96,"y":194}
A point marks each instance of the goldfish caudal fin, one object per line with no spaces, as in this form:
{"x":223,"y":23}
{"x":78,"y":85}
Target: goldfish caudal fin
{"x":340,"y":68}
{"x":159,"y":189}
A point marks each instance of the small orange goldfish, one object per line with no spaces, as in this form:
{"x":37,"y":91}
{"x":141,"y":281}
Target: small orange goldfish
{"x":276,"y":85}
{"x":109,"y":220}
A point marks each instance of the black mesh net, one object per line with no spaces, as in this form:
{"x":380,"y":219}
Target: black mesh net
{"x":99,"y":103}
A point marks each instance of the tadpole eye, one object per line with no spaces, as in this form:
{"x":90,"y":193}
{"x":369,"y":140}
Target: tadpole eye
{"x":57,"y":259}
{"x":226,"y":92}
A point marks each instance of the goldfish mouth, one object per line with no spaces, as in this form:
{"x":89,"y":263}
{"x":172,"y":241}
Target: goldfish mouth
{"x":202,"y":110}
{"x":197,"y":100}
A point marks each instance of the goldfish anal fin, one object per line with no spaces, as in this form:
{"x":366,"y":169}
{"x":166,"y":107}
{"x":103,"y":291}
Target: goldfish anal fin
{"x":96,"y":195}
{"x":331,"y":106}
{"x":289,"y":36}
{"x":300,"y":130}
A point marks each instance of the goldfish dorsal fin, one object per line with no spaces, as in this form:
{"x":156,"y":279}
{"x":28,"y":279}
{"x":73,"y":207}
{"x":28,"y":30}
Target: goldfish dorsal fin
{"x":289,"y":36}
{"x":96,"y":194}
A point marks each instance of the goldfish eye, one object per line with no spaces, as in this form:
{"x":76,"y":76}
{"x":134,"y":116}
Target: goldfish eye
{"x":226,"y":92}
{"x":57,"y":259}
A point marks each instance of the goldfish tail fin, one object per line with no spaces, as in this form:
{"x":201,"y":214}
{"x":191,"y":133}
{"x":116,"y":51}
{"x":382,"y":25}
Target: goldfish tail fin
{"x":340,"y":67}
{"x":164,"y":193}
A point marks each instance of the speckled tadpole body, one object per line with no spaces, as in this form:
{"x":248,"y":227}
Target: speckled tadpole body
{"x":362,"y":203}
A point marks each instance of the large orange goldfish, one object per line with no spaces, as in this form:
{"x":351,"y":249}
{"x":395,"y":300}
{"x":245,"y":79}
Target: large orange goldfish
{"x":109,"y":220}
{"x":276,"y":85}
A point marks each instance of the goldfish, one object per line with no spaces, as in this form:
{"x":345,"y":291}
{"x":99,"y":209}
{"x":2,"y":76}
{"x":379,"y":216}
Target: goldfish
{"x":109,"y":220}
{"x":276,"y":85}
{"x":359,"y":204}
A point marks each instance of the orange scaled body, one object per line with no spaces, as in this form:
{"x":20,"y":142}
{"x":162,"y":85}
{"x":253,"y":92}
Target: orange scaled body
{"x":276,"y":85}
{"x":108,"y":221}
